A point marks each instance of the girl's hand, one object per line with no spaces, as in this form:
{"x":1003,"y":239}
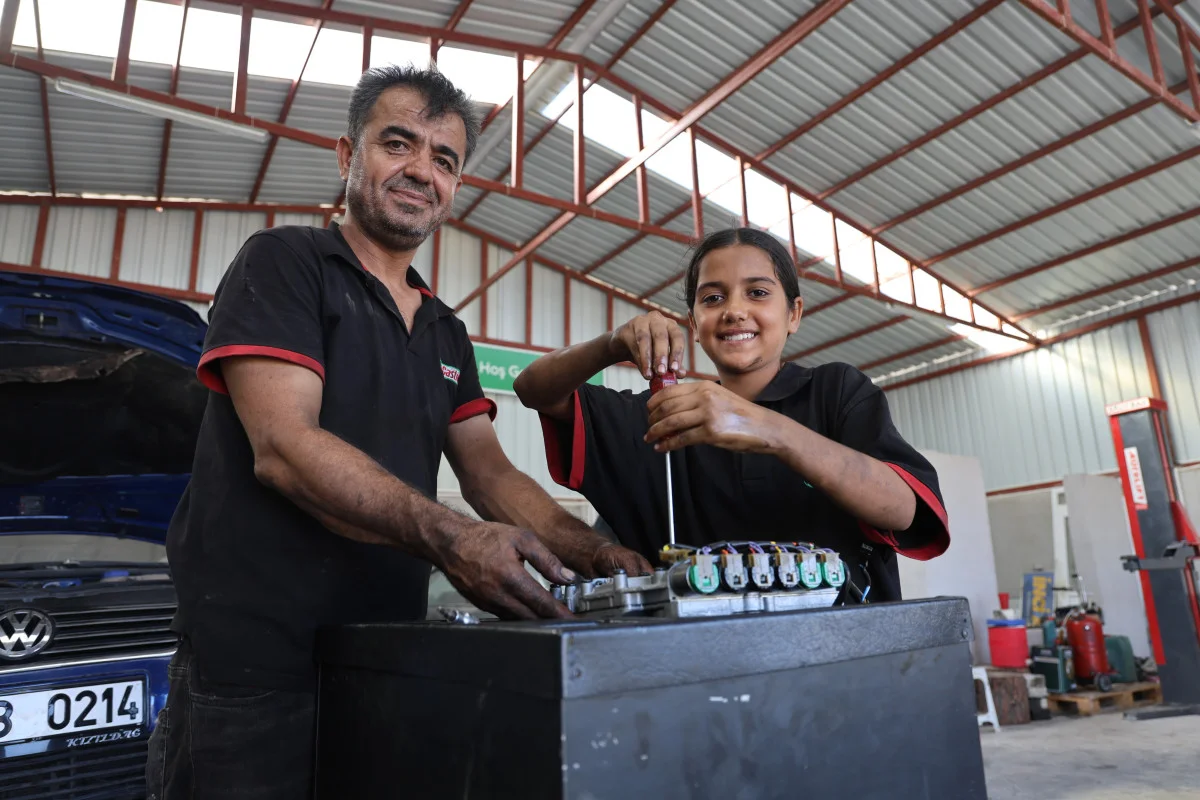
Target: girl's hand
{"x":706,"y":413}
{"x":651,"y":341}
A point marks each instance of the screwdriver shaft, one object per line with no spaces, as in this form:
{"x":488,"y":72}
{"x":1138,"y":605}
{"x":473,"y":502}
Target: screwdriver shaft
{"x":670,"y":505}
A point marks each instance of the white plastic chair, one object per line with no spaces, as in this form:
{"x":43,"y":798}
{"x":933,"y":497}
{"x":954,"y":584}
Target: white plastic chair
{"x":984,"y":717}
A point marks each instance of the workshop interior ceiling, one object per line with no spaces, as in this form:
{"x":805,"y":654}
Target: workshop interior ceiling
{"x":978,"y":141}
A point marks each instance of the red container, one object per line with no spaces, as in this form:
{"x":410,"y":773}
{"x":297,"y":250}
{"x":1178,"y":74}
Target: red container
{"x":1085,"y":634}
{"x":1006,"y":638}
{"x":1004,"y":599}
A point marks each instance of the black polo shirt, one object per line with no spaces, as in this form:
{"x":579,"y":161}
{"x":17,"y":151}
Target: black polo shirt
{"x":721,"y":495}
{"x":256,"y":576}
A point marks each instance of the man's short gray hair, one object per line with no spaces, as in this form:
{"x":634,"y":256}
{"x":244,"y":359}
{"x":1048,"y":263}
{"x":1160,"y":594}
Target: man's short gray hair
{"x":441,"y":97}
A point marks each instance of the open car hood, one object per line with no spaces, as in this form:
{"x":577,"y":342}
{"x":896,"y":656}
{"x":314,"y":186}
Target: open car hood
{"x":99,"y":406}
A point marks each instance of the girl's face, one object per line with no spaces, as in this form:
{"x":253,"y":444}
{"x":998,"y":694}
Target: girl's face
{"x":741,"y":315}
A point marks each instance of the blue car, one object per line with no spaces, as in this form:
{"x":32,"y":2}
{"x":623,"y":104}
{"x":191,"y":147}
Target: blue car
{"x":99,"y":414}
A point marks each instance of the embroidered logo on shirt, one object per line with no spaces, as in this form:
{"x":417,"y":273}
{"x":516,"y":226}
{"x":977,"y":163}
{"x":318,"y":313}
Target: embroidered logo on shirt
{"x":450,"y":373}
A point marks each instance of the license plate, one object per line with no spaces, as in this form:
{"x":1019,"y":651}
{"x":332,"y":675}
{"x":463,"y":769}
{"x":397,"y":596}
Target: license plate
{"x":79,"y":709}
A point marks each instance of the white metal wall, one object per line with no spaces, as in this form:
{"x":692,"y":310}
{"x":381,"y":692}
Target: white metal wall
{"x":155,"y":244}
{"x":1176,"y":336}
{"x":18,"y":225}
{"x":1039,"y":416}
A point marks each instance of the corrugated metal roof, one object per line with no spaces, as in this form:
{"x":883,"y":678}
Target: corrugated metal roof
{"x":23,"y":157}
{"x":100,"y":148}
{"x":692,"y":48}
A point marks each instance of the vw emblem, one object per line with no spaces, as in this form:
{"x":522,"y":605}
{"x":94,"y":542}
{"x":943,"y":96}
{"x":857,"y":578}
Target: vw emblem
{"x":24,"y":632}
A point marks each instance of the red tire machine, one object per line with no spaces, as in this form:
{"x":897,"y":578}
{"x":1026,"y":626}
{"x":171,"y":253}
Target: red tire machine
{"x":1167,"y":549}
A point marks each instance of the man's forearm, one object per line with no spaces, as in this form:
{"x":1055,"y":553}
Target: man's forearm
{"x":548,"y":382}
{"x":512,"y":497}
{"x":354,"y":496}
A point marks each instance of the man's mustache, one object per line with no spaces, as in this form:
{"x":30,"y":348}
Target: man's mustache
{"x":409,"y":185}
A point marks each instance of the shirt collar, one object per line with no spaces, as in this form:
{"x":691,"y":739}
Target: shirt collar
{"x":336,"y":246}
{"x":789,"y":380}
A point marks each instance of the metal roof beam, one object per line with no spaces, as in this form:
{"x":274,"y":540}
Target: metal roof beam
{"x":909,"y":59}
{"x":120,"y":70}
{"x":742,"y":75}
{"x":164,"y":149}
{"x":1062,"y":337}
{"x":1099,"y":291}
{"x":1156,"y":86}
{"x":1189,"y":38}
{"x":8,"y":24}
{"x":887,"y":323}
{"x":348,"y":19}
{"x":912,"y":351}
{"x":718,"y":94}
{"x":287,"y":107}
{"x":72,"y":201}
{"x":461,"y":11}
{"x":48,"y":140}
{"x":1025,"y":160}
{"x":536,"y":83}
{"x":488,"y":144}
{"x":1087,"y":251}
{"x":974,"y":111}
{"x":1058,"y":208}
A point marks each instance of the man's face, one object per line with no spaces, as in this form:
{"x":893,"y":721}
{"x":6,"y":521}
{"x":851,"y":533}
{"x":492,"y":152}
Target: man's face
{"x":402,"y":177}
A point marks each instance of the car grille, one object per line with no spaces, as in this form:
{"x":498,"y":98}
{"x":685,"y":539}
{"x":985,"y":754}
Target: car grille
{"x":110,"y":632}
{"x":109,"y":772}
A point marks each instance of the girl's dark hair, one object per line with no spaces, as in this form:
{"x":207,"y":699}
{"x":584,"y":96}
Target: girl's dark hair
{"x":777,"y":251}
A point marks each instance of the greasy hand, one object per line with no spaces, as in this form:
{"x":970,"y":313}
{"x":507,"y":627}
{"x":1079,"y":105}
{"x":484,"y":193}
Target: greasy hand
{"x":706,"y":413}
{"x":652,"y":342}
{"x":611,"y":557}
{"x":485,"y":562}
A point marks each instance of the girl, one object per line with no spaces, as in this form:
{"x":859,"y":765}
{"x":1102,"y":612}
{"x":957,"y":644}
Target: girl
{"x":773,"y":452}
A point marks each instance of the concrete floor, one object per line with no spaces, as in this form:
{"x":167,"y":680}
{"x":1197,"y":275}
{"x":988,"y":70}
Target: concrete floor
{"x":1104,"y":757}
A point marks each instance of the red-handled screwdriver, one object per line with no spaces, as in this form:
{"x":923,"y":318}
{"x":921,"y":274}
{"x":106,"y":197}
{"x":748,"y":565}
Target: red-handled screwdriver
{"x":657,"y":383}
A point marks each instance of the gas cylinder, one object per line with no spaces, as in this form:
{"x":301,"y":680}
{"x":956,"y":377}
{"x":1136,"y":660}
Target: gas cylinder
{"x":1085,"y":634}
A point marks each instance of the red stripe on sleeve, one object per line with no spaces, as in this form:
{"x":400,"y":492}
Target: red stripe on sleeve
{"x":942,"y":540}
{"x":211,"y":377}
{"x":554,"y":462}
{"x":925,"y":552}
{"x":474,"y":408}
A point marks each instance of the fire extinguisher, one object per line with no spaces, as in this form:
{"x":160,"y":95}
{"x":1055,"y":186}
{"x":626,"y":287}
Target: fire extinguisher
{"x":1085,"y":634}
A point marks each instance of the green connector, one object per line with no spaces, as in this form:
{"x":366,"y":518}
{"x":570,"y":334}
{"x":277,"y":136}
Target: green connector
{"x":810,"y":571}
{"x":703,"y":580}
{"x":834,"y":572}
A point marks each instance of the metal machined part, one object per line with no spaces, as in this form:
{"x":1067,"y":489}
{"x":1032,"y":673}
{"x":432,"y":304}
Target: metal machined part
{"x":672,"y":593}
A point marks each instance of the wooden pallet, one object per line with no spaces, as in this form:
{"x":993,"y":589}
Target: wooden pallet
{"x":1123,"y":695}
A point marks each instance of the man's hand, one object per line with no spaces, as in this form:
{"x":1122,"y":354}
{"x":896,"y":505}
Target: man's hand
{"x":498,"y":491}
{"x":706,"y":413}
{"x":610,"y":557}
{"x":651,"y":341}
{"x":279,"y":406}
{"x":485,"y":562}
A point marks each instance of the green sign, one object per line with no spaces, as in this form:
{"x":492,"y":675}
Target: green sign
{"x":500,"y":366}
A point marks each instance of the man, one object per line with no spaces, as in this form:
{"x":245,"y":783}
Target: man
{"x":338,"y":381}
